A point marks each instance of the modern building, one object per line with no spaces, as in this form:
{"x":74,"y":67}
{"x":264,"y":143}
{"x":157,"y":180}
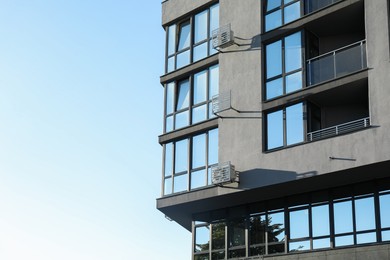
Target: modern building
{"x":276,"y":139}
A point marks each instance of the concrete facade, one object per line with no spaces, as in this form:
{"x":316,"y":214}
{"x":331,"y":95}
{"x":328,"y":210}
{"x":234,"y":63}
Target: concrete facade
{"x":356,"y":157}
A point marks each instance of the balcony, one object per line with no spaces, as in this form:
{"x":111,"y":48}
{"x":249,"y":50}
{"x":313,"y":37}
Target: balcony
{"x":337,"y":63}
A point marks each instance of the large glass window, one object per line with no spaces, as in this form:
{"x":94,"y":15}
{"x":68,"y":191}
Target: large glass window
{"x":285,"y":127}
{"x":188,"y":162}
{"x":190,"y":40}
{"x":279,"y":12}
{"x":188,"y":101}
{"x":284,"y":63}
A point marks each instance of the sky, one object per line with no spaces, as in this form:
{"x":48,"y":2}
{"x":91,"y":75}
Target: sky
{"x":80,"y":114}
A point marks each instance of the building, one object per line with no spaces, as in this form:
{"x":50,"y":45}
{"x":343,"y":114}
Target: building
{"x":296,"y":96}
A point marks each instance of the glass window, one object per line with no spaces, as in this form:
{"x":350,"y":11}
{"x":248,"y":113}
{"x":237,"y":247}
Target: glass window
{"x":202,"y":238}
{"x":198,"y":151}
{"x":237,"y":233}
{"x":201,"y":26}
{"x":183,"y":96}
{"x":213,"y":147}
{"x":278,"y":13}
{"x":275,"y":129}
{"x":184,"y":36}
{"x":293,"y":52}
{"x":276,"y":227}
{"x":365,"y":214}
{"x":218,"y":236}
{"x":168,"y":159}
{"x":384,"y":205}
{"x":320,"y":222}
{"x":274,"y":59}
{"x":299,"y":224}
{"x":171,"y":39}
{"x":200,"y":87}
{"x":294,"y":124}
{"x":343,"y":218}
{"x":181,"y":158}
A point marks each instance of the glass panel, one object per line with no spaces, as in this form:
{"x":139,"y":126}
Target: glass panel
{"x":200,"y":52}
{"x":343,"y":217}
{"x":180,"y":183}
{"x":293,"y":52}
{"x":288,"y":1}
{"x":171,"y":39}
{"x":299,"y":224}
{"x":209,"y":176}
{"x":213,"y":81}
{"x":275,"y":129}
{"x":321,"y":243}
{"x":169,"y":124}
{"x":384,"y":203}
{"x":294,"y":82}
{"x":211,"y":114}
{"x":198,"y":151}
{"x":184,"y":36}
{"x":274,"y":59}
{"x":320,"y":70}
{"x":183,"y":95}
{"x":182,"y":119}
{"x":273,"y":20}
{"x":275,"y":249}
{"x":271,"y":4}
{"x":348,"y":61}
{"x":257,"y":227}
{"x":292,"y":12}
{"x":199,"y":114}
{"x":299,"y":246}
{"x":320,"y":220}
{"x":237,"y":233}
{"x":171,"y":64}
{"x":200,"y":87}
{"x":218,"y":255}
{"x":202,"y":238}
{"x":365,"y":214}
{"x":366,"y":238}
{"x":213,"y":147}
{"x":237,"y":253}
{"x":198,"y":179}
{"x":168,"y":159}
{"x":386,"y":236}
{"x":170,"y":92}
{"x":183,"y":59}
{"x":214,"y":17}
{"x":258,"y":250}
{"x":276,"y":227}
{"x":201,"y":26}
{"x":218,"y":236}
{"x":274,"y":88}
{"x":344,"y":241}
{"x":168,"y":186}
{"x":294,"y":124}
{"x":181,"y":158}
{"x":211,"y":48}
{"x":202,"y":257}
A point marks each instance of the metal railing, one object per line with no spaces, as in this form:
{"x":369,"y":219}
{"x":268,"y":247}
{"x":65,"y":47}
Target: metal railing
{"x":339,"y":129}
{"x":337,"y":63}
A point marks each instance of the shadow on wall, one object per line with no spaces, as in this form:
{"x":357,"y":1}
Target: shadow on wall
{"x":263,"y":177}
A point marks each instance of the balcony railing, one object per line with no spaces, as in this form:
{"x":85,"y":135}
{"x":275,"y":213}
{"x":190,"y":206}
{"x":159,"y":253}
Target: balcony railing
{"x":338,"y":63}
{"x":339,"y":129}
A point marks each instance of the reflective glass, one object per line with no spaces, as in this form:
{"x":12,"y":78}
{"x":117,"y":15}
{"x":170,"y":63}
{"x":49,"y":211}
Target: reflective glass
{"x":198,"y":179}
{"x":183,"y":95}
{"x":343,"y":217}
{"x":171,"y":39}
{"x":344,"y":241}
{"x":218,"y":255}
{"x":171,"y":64}
{"x":209,"y":176}
{"x":294,"y":82}
{"x":200,"y":87}
{"x":218,"y":236}
{"x":276,"y":227}
{"x":168,"y":159}
{"x":214,"y":17}
{"x":292,"y":12}
{"x":386,"y":235}
{"x":181,"y":158}
{"x":211,"y":48}
{"x":275,"y":249}
{"x":183,"y":59}
{"x":271,"y":4}
{"x":273,"y":20}
{"x":169,"y":124}
{"x":274,"y":88}
{"x":321,"y":243}
{"x":180,"y":183}
{"x":198,"y":151}
{"x":201,"y":257}
{"x":257,"y":227}
{"x":199,"y":114}
{"x":275,"y":129}
{"x":213,"y":147}
{"x":293,"y":52}
{"x":366,"y":238}
{"x":200,"y":52}
{"x":320,"y":220}
{"x":365,"y":214}
{"x":299,"y":246}
{"x":384,"y":204}
{"x":299,"y":224}
{"x":170,"y":97}
{"x":274,"y":59}
{"x":168,"y":186}
{"x":201,"y":26}
{"x":211,"y":114}
{"x":294,"y":124}
{"x":202,"y":238}
{"x":213,"y":81}
{"x":182,"y":119}
{"x":184,"y":36}
{"x":288,"y":1}
{"x":237,"y":233}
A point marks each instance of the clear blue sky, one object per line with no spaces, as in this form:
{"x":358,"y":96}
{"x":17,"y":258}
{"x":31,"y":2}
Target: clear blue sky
{"x":80,"y":112}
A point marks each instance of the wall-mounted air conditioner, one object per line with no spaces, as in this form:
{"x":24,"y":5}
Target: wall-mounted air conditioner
{"x":223,"y":173}
{"x":222,"y":37}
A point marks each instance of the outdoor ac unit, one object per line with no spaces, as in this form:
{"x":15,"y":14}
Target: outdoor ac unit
{"x":221,"y":102}
{"x":222,"y":37}
{"x":223,"y":173}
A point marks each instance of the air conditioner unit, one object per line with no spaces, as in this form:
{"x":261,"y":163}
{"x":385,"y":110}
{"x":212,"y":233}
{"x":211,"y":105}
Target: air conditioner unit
{"x":223,"y":173}
{"x":221,"y":102}
{"x":222,"y":37}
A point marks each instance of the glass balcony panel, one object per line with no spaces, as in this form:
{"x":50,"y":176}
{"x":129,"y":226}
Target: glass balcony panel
{"x":320,"y":70}
{"x":348,"y":61}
